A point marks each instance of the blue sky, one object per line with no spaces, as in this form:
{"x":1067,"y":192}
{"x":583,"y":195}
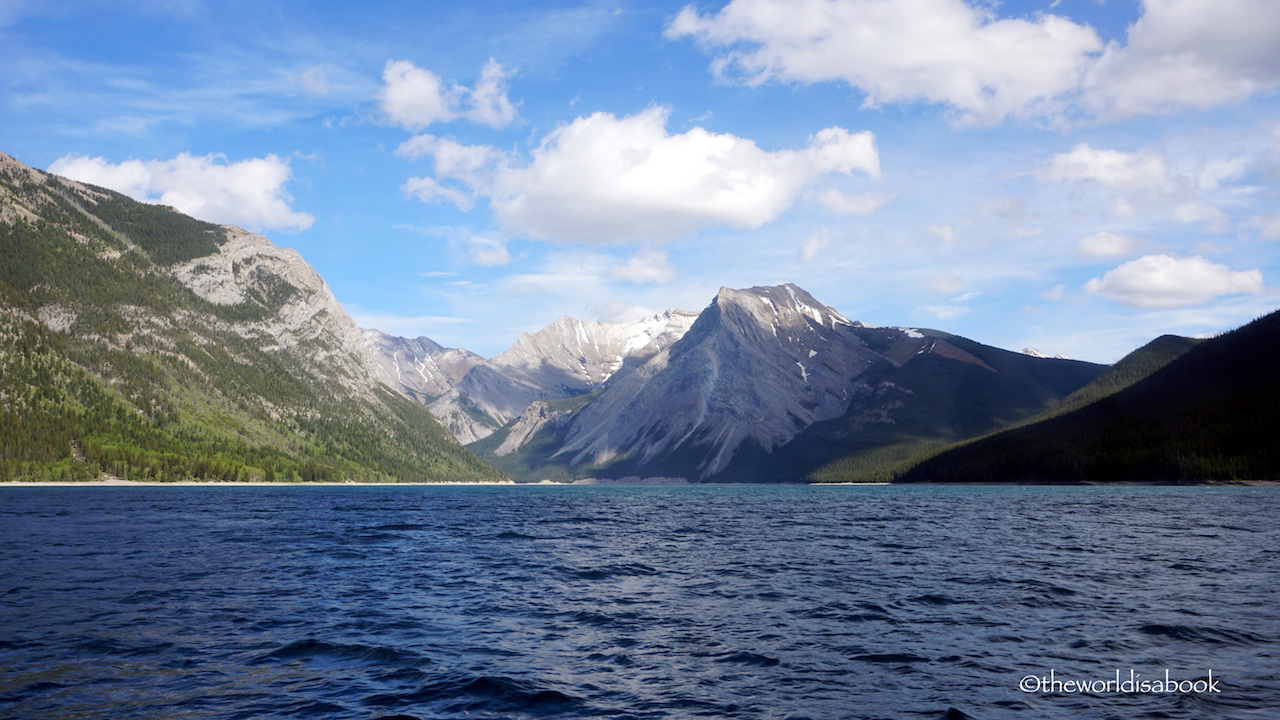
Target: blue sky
{"x":1079,"y":176}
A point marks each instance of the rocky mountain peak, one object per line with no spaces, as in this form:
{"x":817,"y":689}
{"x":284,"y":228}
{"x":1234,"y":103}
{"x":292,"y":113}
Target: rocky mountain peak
{"x":567,"y":358}
{"x":785,"y":305}
{"x":419,"y":367}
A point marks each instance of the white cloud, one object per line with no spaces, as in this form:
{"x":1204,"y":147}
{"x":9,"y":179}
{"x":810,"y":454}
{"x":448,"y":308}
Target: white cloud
{"x":940,"y":51}
{"x":470,"y":167}
{"x":604,"y":179}
{"x":488,"y":251}
{"x":816,"y":243}
{"x":429,"y":190}
{"x":489,"y":102}
{"x":845,"y":204}
{"x":413,"y":97}
{"x":1141,"y":171}
{"x":646,"y":266}
{"x":1188,"y":54}
{"x":1178,"y":54}
{"x":1186,"y":191}
{"x":1157,"y":282}
{"x":249,"y":193}
{"x":1109,"y":245}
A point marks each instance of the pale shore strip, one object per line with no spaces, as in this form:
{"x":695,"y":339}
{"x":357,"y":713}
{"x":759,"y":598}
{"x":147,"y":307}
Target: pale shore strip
{"x":215,"y":483}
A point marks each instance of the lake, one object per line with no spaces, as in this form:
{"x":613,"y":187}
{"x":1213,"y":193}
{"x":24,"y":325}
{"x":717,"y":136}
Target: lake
{"x":883,"y":602}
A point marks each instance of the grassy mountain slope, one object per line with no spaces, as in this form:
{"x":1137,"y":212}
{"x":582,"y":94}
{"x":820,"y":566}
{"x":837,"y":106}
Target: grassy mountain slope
{"x":1211,"y":414}
{"x":140,"y":343}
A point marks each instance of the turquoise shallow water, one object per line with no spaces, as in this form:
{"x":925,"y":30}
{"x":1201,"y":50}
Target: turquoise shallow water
{"x":636,"y":602}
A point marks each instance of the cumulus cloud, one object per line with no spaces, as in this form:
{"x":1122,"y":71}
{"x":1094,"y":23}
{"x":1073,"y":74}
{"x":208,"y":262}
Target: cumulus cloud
{"x":646,"y":266}
{"x":472,"y":164}
{"x":939,"y":51}
{"x":1179,"y":53}
{"x":489,"y":102}
{"x":414,"y":97}
{"x":1188,"y":54}
{"x":604,"y":179}
{"x":1108,"y":245}
{"x":249,"y":193}
{"x":1158,"y":282}
{"x":467,"y":169}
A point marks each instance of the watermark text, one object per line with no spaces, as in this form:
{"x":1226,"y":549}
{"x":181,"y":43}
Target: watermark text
{"x":1132,"y":683}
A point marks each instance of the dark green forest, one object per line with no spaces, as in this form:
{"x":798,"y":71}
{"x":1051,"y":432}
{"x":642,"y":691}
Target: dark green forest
{"x":1202,"y":412}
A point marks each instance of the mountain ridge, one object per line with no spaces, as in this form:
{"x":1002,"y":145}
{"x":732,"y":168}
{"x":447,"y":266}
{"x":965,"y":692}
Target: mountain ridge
{"x":746,"y":391}
{"x":141,"y":343}
{"x":1204,"y":411}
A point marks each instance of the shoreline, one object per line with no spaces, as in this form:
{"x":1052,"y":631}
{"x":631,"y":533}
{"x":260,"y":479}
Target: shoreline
{"x":219,"y":483}
{"x":115,"y":482}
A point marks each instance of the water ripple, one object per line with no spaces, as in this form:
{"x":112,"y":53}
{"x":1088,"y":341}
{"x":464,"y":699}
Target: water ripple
{"x":633,"y":603}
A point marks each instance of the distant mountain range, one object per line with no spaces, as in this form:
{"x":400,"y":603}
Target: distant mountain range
{"x":766,"y":384}
{"x":140,"y":343}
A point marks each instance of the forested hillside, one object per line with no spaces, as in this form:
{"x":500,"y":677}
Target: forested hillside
{"x":140,"y":343}
{"x":1212,"y":414}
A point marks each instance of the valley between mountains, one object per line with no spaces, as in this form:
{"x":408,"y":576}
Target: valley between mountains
{"x":138,"y":343}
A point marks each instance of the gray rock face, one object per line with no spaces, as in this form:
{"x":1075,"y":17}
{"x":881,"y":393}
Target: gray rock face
{"x":759,"y":365}
{"x":419,"y":367}
{"x":568,"y":358}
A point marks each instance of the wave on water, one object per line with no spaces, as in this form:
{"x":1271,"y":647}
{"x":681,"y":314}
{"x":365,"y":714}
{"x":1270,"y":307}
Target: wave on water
{"x":581,"y":603}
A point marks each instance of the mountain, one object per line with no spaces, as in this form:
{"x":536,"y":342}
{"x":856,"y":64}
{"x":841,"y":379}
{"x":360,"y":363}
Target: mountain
{"x":141,"y":343}
{"x":1210,"y":414}
{"x":566,"y":359}
{"x":1130,"y":369}
{"x":769,"y":384}
{"x":419,"y":367}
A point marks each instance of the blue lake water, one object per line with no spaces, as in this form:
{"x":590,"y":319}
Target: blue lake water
{"x":637,"y":602}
